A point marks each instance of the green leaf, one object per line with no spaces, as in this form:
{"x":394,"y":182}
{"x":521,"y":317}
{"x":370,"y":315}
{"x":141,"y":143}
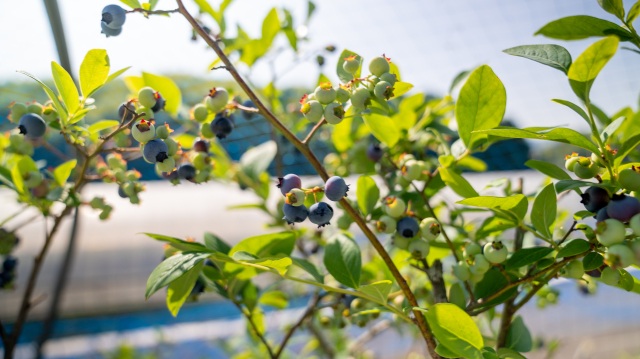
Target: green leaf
{"x":66,"y":87}
{"x":342,"y":74}
{"x":627,"y":281}
{"x":256,"y":160}
{"x":607,"y":133}
{"x":62,"y":172}
{"x":492,"y":282}
{"x":633,"y":12}
{"x":507,"y":353}
{"x":526,"y":256}
{"x":457,"y":183}
{"x":565,"y":185}
{"x":267,"y":245}
{"x":587,"y":66}
{"x":180,"y":289}
{"x":456,"y":80}
{"x":614,"y":7}
{"x":367,"y":193}
{"x":378,"y":290}
{"x":167,"y":88}
{"x":515,"y":204}
{"x":548,"y":169}
{"x":102,"y":125}
{"x":400,"y":88}
{"x":274,"y":298}
{"x":581,"y":27}
{"x":573,"y":247}
{"x":627,"y":147}
{"x":178,"y":244}
{"x":94,"y":71}
{"x":574,"y":107}
{"x":270,"y":27}
{"x":116,"y":74}
{"x":280,"y":263}
{"x":445,"y":352}
{"x":309,"y":268}
{"x":519,"y":337}
{"x":592,"y":261}
{"x":342,"y":259}
{"x":5,"y":177}
{"x":543,"y":212}
{"x":383,"y":128}
{"x":455,"y":330}
{"x":62,"y":111}
{"x":481,"y":104}
{"x":214,"y":242}
{"x":551,"y":55}
{"x":457,"y":296}
{"x":564,"y":135}
{"x":171,"y":269}
{"x":132,"y":3}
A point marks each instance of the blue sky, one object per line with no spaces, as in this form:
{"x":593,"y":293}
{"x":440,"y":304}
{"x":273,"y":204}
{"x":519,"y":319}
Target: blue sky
{"x":430,"y":40}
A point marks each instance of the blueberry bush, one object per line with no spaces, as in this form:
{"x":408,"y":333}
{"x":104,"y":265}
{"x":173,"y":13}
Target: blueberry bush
{"x":374,"y":240}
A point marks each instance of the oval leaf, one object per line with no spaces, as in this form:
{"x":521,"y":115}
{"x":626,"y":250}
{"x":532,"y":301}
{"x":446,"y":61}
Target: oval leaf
{"x":455,"y":330}
{"x":548,"y":169}
{"x":343,"y":261}
{"x":481,"y":104}
{"x":66,"y":87}
{"x":61,"y":173}
{"x":581,"y":27}
{"x":171,"y":269}
{"x":180,"y":289}
{"x":573,"y":247}
{"x":587,"y":66}
{"x":458,"y":184}
{"x":383,"y":128}
{"x":527,"y":256}
{"x":544,"y":210}
{"x":551,"y":55}
{"x":94,"y":71}
{"x":367,"y":193}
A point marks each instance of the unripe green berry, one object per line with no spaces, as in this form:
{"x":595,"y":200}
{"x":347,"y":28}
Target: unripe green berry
{"x":379,"y":65}
{"x":205,"y":131}
{"x":481,"y":264}
{"x":411,"y":170}
{"x":495,"y":252}
{"x":430,"y":228}
{"x":312,"y":110}
{"x":17,"y":110}
{"x":585,"y":168}
{"x":167,"y":166}
{"x":115,"y":162}
{"x":351,"y":64}
{"x":610,"y":276}
{"x":610,"y":232}
{"x":200,"y":160}
{"x":35,"y":108}
{"x":342,"y":94}
{"x":334,"y":113}
{"x":146,"y":114}
{"x":461,"y":270}
{"x":172,"y":146}
{"x":401,"y":242}
{"x":634,"y":224}
{"x":386,"y":224}
{"x":389,"y":77}
{"x":147,"y":97}
{"x":200,"y":112}
{"x":629,"y":179}
{"x":394,"y":206}
{"x":419,"y":248}
{"x":325,"y":94}
{"x":143,"y":131}
{"x":295,"y":197}
{"x":383,"y":90}
{"x":619,"y":256}
{"x":217,"y":99}
{"x":471,"y":249}
{"x":574,"y":269}
{"x":570,"y":161}
{"x":361,"y":98}
{"x":163,"y":131}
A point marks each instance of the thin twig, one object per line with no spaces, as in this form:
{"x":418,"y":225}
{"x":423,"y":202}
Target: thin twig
{"x":313,"y":160}
{"x":307,"y":313}
{"x":324,"y":344}
{"x":255,"y":328}
{"x":359,"y":342}
{"x":313,"y":131}
{"x":564,"y":238}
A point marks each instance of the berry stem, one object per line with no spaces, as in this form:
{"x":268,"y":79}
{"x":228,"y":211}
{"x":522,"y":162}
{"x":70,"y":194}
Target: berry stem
{"x":275,"y":122}
{"x":313,"y":132}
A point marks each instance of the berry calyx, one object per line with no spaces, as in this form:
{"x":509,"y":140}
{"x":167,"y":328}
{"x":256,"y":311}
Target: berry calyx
{"x":335,"y":188}
{"x":320,"y":213}
{"x":289,"y":182}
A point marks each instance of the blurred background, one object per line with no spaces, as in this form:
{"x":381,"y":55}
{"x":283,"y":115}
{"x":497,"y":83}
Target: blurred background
{"x":103,"y":312}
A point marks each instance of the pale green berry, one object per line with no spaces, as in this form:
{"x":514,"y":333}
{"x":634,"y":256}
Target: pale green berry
{"x":200,"y":160}
{"x":419,"y":248}
{"x":205,"y":131}
{"x":471,"y":249}
{"x":386,"y":224}
{"x":334,"y":113}
{"x":629,"y":179}
{"x":35,"y":108}
{"x":430,"y":228}
{"x":115,"y":162}
{"x":120,"y":175}
{"x":172,"y":146}
{"x":619,"y":256}
{"x":33,"y":178}
{"x":610,"y":232}
{"x":570,"y":161}
{"x":634,"y":224}
{"x":379,"y":65}
{"x":585,"y":168}
{"x":17,"y":110}
{"x":217,"y":99}
{"x":481,"y":264}
{"x":574,"y":269}
{"x":495,"y":252}
{"x":461,"y":271}
{"x":146,"y":114}
{"x":394,"y":206}
{"x":312,"y":110}
{"x":361,"y":98}
{"x":147,"y":97}
{"x":166,"y":166}
{"x":342,"y":94}
{"x":383,"y":90}
{"x":295,"y":197}
{"x":143,"y":131}
{"x":610,"y":276}
{"x":351,"y":64}
{"x":325,"y":94}
{"x":389,"y":77}
{"x":598,"y":160}
{"x":163,"y":131}
{"x":401,"y":242}
{"x":411,"y":170}
{"x":200,"y":112}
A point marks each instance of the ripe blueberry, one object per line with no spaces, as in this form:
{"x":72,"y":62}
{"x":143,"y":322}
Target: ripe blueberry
{"x":160,"y":103}
{"x":379,"y":65}
{"x":249,"y":115}
{"x":155,"y":151}
{"x":187,"y":171}
{"x":495,"y":252}
{"x":221,"y":126}
{"x":374,"y":152}
{"x":408,"y":227}
{"x":623,"y":207}
{"x":126,"y":112}
{"x":217,"y":99}
{"x":602,"y":215}
{"x":10,"y":263}
{"x":335,"y":188}
{"x":32,"y":126}
{"x":320,"y":213}
{"x":595,"y":198}
{"x":295,"y":214}
{"x":201,"y":145}
{"x":289,"y":182}
{"x":113,"y":16}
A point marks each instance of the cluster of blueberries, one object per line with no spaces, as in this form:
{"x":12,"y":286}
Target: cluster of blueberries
{"x":113,"y":17}
{"x":320,"y":213}
{"x":8,"y":273}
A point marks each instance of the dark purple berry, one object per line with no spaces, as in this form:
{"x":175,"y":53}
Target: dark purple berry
{"x":113,"y":16}
{"x":198,"y":287}
{"x":187,"y":171}
{"x":293,"y":214}
{"x":623,"y":207}
{"x":221,"y":126}
{"x":201,"y":145}
{"x":121,"y":192}
{"x":595,"y":198}
{"x":374,"y":152}
{"x":32,"y":126}
{"x":289,"y":182}
{"x":155,"y":151}
{"x":10,"y":263}
{"x":408,"y":227}
{"x":320,"y":213}
{"x":160,"y":102}
{"x":126,"y":112}
{"x":335,"y":188}
{"x":602,"y":215}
